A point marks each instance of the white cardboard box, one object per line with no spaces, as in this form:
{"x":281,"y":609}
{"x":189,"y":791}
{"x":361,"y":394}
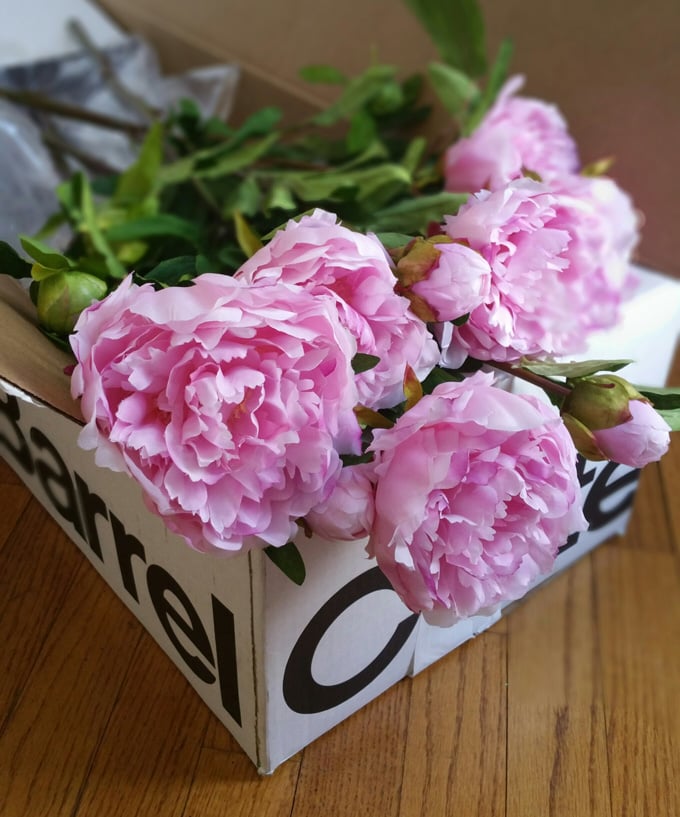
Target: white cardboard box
{"x":277,"y":663}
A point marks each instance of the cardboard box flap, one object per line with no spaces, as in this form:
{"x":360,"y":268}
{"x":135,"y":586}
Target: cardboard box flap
{"x":351,"y":36}
{"x":28,"y":360}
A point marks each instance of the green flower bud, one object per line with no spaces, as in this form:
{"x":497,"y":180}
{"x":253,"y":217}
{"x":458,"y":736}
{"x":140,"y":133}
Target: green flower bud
{"x":601,"y":401}
{"x":63,"y":296}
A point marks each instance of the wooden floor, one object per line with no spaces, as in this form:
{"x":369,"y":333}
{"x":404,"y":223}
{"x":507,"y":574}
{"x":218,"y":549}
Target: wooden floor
{"x":569,"y":707}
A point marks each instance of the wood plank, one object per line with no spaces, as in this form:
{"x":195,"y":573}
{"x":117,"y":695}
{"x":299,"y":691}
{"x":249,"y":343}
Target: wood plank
{"x":455,"y":747}
{"x":218,"y":737}
{"x":150,"y":747}
{"x":52,"y":734}
{"x":15,"y":498}
{"x":36,"y":570}
{"x":639,"y":620}
{"x":557,"y":754}
{"x":226,"y":783}
{"x":7,"y":475}
{"x":670,"y":469}
{"x":648,"y":527}
{"x":357,"y":767}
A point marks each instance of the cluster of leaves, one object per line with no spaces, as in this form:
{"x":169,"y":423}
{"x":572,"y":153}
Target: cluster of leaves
{"x":203,"y":195}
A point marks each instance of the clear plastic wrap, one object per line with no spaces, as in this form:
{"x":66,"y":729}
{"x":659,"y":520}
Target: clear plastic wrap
{"x":28,"y":172}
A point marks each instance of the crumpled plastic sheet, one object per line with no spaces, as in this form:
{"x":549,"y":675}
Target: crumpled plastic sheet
{"x":28,"y":174}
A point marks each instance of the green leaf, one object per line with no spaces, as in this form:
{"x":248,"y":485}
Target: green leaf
{"x":392,"y":240}
{"x":415,"y":214}
{"x":355,"y":459}
{"x":362,"y":362}
{"x":44,"y":255}
{"x":438,"y":376}
{"x":91,"y":227}
{"x":455,"y":90}
{"x":414,"y":154}
{"x":280,"y":198}
{"x":289,"y":560}
{"x":139,"y":180}
{"x":325,"y":74}
{"x":672,"y":417}
{"x":497,"y":77}
{"x":53,"y":223}
{"x":572,"y":369}
{"x":457,"y":30}
{"x":173,"y":270}
{"x":237,"y":159}
{"x":362,"y":131}
{"x":261,"y":123}
{"x":205,"y":264}
{"x":12,"y":264}
{"x":667,"y":399}
{"x":163,"y":224}
{"x":358,"y":92}
{"x":245,"y":198}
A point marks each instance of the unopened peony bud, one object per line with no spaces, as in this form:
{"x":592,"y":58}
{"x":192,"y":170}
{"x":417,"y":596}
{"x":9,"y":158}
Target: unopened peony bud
{"x":63,"y":296}
{"x":443,"y":279}
{"x":610,"y":420}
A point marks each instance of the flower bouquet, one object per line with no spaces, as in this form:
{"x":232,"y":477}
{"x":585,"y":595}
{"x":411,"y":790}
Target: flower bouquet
{"x":338,"y":371}
{"x":286,"y":330}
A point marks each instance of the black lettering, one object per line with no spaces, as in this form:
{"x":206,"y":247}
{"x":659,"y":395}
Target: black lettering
{"x":17,"y":446}
{"x":55,"y":479}
{"x":594,"y":510}
{"x":594,"y":507}
{"x":127,"y":546}
{"x":584,"y":477}
{"x":225,"y":651}
{"x":91,"y":505}
{"x":305,"y":695}
{"x":160,"y":583}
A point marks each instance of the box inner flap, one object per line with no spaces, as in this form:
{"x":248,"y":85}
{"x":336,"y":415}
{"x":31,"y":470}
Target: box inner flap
{"x":28,"y":359}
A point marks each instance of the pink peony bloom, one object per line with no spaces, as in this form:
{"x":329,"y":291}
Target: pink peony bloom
{"x":458,"y":282}
{"x":347,"y":514}
{"x":352,"y":269}
{"x":559,"y":267}
{"x":644,"y":438}
{"x":229,"y":404}
{"x":517,"y":134}
{"x":476,"y":489}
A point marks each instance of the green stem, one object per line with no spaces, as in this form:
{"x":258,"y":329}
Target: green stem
{"x":545,"y":383}
{"x":31,"y":99}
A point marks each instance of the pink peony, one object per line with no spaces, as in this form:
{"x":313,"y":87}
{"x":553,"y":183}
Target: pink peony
{"x":348,"y":512}
{"x":517,"y":134}
{"x":644,"y":438}
{"x":457,"y":283}
{"x":559,"y":267}
{"x":476,"y":489}
{"x":352,"y":269}
{"x":229,"y":404}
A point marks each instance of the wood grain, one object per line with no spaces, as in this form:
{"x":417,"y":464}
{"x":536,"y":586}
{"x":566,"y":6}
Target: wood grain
{"x":567,"y":707}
